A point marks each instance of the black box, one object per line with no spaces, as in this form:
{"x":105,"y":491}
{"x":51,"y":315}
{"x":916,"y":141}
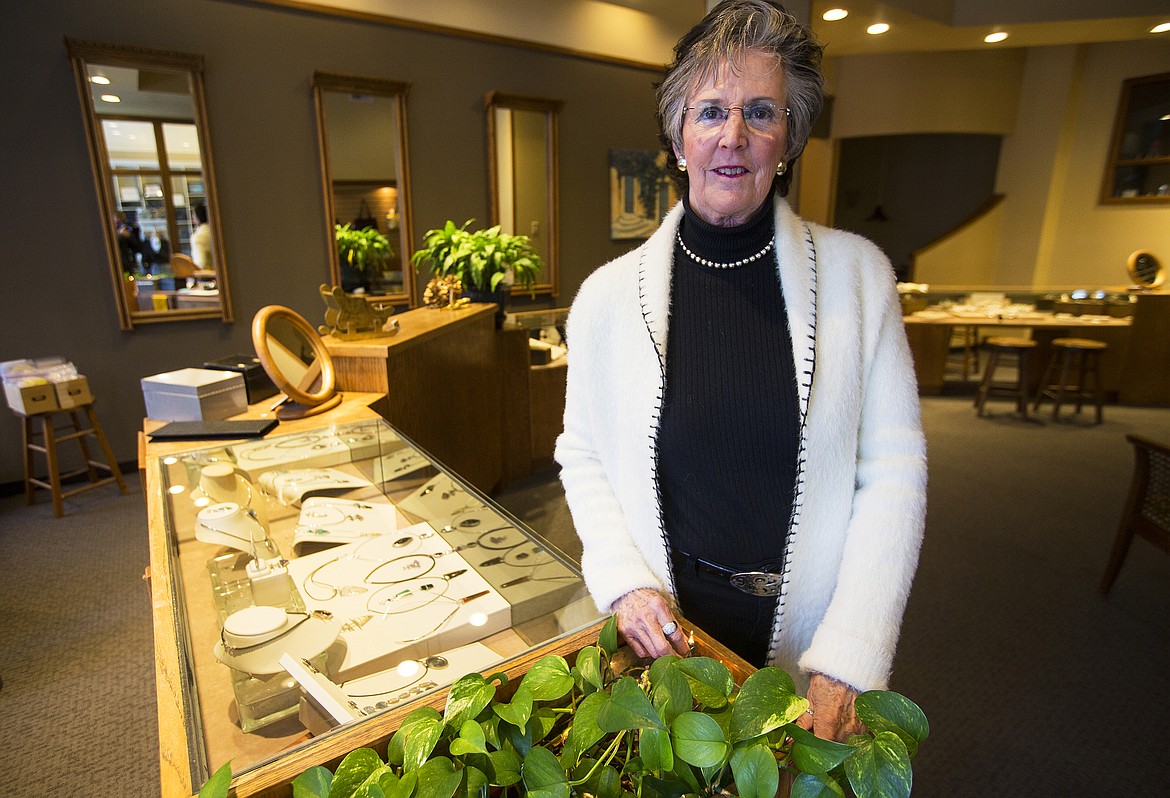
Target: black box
{"x":256,"y":380}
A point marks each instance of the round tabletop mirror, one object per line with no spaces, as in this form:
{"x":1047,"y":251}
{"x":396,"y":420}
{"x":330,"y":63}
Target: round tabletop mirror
{"x":1145,"y":269}
{"x":294,"y":356}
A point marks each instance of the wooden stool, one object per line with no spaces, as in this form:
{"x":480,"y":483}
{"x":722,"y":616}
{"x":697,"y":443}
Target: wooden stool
{"x":1019,"y":388}
{"x":1068,"y":355}
{"x":50,"y":437}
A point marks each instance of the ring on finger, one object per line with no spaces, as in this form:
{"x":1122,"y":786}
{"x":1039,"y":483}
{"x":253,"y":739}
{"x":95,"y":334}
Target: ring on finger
{"x":808,"y":711}
{"x":670,"y":628}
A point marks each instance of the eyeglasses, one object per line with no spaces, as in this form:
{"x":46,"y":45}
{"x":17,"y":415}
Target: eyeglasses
{"x":763,"y":117}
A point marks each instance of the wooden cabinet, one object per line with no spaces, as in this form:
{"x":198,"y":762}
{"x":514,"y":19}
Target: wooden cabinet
{"x":1138,"y":170}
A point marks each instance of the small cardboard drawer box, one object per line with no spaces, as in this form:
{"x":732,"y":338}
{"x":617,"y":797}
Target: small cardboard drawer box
{"x":194,"y":395}
{"x":256,"y":380}
{"x":29,"y":400}
{"x":73,"y":393}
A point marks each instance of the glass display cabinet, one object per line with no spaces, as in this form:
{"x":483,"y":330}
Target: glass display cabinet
{"x":311,"y":587}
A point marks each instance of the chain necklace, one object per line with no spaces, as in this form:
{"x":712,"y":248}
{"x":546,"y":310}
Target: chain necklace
{"x":714,"y":264}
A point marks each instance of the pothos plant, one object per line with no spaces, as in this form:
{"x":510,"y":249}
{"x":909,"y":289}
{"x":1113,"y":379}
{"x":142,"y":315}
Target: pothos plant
{"x":675,"y":727}
{"x":483,"y":260}
{"x":362,"y":248}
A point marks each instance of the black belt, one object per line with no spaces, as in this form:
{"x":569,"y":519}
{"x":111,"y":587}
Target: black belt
{"x":755,"y":583}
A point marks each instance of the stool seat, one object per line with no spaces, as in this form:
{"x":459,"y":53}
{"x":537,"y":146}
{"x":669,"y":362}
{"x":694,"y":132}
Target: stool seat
{"x":1073,"y":357}
{"x":50,"y":435}
{"x":998,"y":346}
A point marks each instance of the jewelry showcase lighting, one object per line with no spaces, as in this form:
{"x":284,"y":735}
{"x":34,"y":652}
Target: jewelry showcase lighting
{"x":877,"y":28}
{"x":834,"y":14}
{"x":100,"y":80}
{"x":111,"y":98}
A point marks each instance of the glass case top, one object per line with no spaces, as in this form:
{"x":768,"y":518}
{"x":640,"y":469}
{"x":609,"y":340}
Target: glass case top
{"x":325,"y":577}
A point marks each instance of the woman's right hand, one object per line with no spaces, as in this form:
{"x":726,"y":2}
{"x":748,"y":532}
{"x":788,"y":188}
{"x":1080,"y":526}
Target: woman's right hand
{"x":641,"y":614}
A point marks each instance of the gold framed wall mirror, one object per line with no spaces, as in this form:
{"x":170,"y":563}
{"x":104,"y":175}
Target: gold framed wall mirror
{"x":145,"y":120}
{"x":361,"y":128}
{"x":522,"y":158}
{"x":1145,"y":270}
{"x":295,"y":357}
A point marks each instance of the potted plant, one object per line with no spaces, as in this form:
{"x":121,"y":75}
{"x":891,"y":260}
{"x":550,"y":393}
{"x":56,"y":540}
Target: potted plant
{"x":662,"y":730}
{"x":362,"y":252}
{"x":487,"y":262}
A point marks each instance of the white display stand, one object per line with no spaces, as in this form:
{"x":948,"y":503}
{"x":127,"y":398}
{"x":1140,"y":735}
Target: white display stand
{"x":329,"y":521}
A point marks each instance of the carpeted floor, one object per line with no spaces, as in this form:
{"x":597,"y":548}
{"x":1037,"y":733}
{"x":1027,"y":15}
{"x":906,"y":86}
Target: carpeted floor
{"x":1034,"y":685}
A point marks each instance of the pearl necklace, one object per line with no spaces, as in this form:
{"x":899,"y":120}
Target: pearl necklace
{"x":713,"y":265}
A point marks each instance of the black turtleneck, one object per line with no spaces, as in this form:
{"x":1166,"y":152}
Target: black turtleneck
{"x":727,"y":443}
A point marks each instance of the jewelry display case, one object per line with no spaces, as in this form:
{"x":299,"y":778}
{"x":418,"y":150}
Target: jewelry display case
{"x":310,"y":585}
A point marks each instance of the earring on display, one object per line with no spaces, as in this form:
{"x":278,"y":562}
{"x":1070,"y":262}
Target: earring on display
{"x":781,"y":168}
{"x":682,"y":164}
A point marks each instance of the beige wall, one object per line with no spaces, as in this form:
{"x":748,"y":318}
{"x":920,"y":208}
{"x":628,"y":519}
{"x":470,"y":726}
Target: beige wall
{"x":1055,"y":107}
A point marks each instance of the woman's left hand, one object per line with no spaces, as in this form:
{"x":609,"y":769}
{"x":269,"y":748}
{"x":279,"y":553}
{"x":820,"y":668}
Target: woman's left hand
{"x":831,"y":703}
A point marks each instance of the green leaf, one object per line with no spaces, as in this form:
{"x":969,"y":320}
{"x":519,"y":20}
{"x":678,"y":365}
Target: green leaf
{"x":505,"y":767}
{"x":655,"y":750}
{"x":394,"y":752}
{"x":756,"y":773}
{"x":880,"y":767}
{"x":710,"y":681}
{"x":438,"y":778}
{"x":219,"y":783}
{"x":607,"y":639}
{"x":816,"y":785}
{"x":543,"y":774}
{"x":470,"y":740}
{"x":654,"y":787}
{"x":518,"y":738}
{"x":424,"y":736}
{"x":628,"y":708}
{"x":518,"y":710}
{"x":588,"y":665}
{"x":671,"y":692}
{"x":698,"y":740}
{"x":881,"y":710}
{"x":766,"y":701}
{"x":475,"y":783}
{"x":811,"y":754}
{"x":467,"y":699}
{"x":584,"y":732}
{"x":353,"y":772}
{"x":313,"y":783}
{"x":541,"y":723}
{"x":395,"y":787}
{"x":548,"y":679}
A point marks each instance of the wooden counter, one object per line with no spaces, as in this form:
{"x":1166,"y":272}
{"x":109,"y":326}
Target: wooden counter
{"x":930,"y":337}
{"x":444,"y":386}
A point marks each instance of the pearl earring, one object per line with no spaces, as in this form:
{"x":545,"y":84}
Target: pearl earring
{"x":682,"y":164}
{"x":780,"y":169}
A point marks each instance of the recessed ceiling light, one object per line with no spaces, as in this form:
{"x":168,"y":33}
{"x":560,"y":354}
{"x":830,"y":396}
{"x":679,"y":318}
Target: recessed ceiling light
{"x":111,"y":98}
{"x":101,"y":80}
{"x":877,"y":28}
{"x":998,"y":36}
{"x":834,"y":14}
{"x":1165,"y":118}
{"x":1165,"y":26}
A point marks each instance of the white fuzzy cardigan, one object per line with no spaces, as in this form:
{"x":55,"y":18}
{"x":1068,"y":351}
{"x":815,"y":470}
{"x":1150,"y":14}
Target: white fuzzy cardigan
{"x":861,"y":483}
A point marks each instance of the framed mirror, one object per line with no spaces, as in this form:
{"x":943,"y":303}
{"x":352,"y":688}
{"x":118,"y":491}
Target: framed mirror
{"x":361,"y":126}
{"x":146,"y":124}
{"x":522,"y":158}
{"x":1145,"y":269}
{"x":296,"y":359}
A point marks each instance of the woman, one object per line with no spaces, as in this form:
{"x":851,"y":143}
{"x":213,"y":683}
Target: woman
{"x":742,"y":435}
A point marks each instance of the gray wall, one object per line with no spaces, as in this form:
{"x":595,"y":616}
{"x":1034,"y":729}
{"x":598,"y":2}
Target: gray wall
{"x":258,"y":66}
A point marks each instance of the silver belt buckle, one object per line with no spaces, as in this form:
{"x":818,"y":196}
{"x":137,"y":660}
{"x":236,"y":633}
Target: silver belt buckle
{"x":757,"y":583}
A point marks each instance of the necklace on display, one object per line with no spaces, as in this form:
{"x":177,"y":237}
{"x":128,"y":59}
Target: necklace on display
{"x":353,"y":590}
{"x":716,"y":265}
{"x":406,"y":669}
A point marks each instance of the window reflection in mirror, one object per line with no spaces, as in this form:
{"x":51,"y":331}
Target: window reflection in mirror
{"x":522,"y":145}
{"x":145,"y":120}
{"x":361,"y":124}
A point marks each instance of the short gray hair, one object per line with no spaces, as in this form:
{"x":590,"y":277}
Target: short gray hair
{"x":731,"y":30}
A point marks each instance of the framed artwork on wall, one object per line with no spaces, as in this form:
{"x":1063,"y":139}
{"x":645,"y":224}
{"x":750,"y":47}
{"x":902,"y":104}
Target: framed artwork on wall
{"x":640,"y":192}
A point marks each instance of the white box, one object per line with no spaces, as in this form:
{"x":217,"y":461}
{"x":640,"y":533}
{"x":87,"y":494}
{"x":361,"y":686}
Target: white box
{"x":194,"y":395}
